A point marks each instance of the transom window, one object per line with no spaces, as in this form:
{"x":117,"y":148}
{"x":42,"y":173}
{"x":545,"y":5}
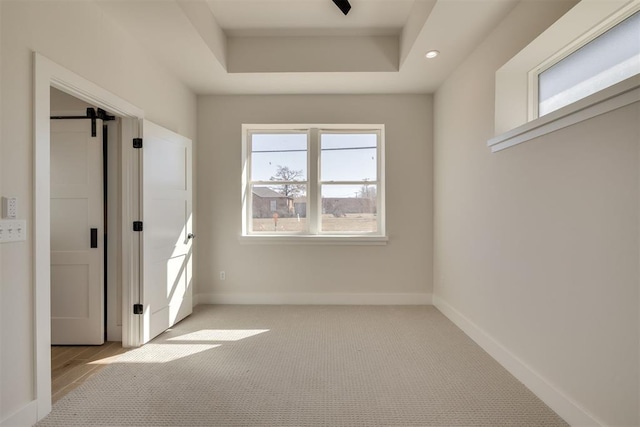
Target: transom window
{"x":584,"y":65}
{"x":317,"y":180}
{"x":609,"y":58}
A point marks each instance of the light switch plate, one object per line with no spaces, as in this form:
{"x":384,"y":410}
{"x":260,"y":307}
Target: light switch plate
{"x":13,"y":230}
{"x":9,"y":207}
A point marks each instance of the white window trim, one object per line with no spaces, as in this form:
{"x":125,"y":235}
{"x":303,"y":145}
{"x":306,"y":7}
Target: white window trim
{"x":309,"y":239}
{"x":314,"y":236}
{"x":617,"y":96}
{"x":586,"y":38}
{"x":516,"y":118}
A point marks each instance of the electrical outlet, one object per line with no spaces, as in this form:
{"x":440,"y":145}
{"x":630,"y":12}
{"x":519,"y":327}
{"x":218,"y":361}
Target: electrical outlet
{"x":13,"y":230}
{"x":222,"y":275}
{"x":9,"y":207}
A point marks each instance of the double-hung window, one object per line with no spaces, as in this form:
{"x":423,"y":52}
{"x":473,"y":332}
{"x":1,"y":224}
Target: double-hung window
{"x":313,"y":180}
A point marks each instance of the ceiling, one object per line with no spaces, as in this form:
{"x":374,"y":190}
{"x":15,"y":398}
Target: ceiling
{"x":310,"y":17}
{"x":308,"y":46}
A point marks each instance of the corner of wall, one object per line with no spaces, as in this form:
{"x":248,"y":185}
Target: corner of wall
{"x":569,"y":410}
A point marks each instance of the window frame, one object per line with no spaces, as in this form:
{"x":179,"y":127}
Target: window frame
{"x":248,"y":183}
{"x":313,"y":234}
{"x":514,"y":123}
{"x":377,"y":182}
{"x":586,"y":38}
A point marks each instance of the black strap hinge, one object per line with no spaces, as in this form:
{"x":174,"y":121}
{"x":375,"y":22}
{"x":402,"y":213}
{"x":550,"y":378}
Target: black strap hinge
{"x":137,"y":142}
{"x":137,"y":225}
{"x":137,"y":309}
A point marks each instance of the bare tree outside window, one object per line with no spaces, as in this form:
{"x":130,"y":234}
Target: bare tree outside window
{"x":367,"y":191}
{"x":286,"y":174}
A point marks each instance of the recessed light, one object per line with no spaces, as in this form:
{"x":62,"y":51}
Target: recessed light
{"x":432,"y":54}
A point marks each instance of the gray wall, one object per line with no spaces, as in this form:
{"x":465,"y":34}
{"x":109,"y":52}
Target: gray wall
{"x":293,"y":273}
{"x":537,"y":245}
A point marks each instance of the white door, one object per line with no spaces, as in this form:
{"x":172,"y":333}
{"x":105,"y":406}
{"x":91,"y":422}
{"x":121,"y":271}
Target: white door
{"x":167,"y":229}
{"x":77,"y":218}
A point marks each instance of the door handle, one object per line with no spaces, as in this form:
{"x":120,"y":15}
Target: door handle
{"x":191,"y":236}
{"x":94,"y":238}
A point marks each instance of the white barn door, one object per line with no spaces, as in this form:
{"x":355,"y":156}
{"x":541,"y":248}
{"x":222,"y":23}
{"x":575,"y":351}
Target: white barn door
{"x":167,"y":229}
{"x":77,"y":229}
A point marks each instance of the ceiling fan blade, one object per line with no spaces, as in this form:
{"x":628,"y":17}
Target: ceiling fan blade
{"x":343,"y":5}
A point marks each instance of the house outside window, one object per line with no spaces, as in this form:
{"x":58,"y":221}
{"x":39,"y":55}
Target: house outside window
{"x":313,"y":180}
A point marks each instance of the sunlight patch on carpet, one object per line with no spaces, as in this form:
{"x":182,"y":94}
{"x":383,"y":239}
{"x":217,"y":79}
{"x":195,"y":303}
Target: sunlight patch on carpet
{"x":163,"y":353}
{"x":219,"y":335}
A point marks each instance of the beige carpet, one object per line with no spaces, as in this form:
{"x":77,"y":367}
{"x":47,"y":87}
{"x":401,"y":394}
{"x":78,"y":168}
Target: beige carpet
{"x":305,"y":366}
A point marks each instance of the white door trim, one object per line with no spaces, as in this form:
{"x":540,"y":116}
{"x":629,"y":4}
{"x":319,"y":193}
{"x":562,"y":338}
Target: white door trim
{"x":49,"y":74}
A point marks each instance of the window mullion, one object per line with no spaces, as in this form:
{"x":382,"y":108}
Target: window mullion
{"x":273,"y":182}
{"x":372,"y":182}
{"x":247,"y":197}
{"x":380,"y":183}
{"x":313,"y":196}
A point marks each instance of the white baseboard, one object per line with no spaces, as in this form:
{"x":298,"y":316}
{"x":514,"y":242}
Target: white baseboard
{"x":545,"y":390}
{"x":114,"y":333}
{"x":312,"y":299}
{"x":25,"y":417}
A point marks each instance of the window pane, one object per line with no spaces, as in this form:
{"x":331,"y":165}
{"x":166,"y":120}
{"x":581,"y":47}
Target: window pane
{"x":349,"y":208}
{"x":348,"y":157}
{"x":609,"y":59}
{"x":279,"y":208}
{"x":279,"y":157}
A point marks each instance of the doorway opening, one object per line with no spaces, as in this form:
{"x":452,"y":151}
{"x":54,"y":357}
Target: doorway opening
{"x":154,"y":183}
{"x":86,"y":292}
{"x":51,"y":75}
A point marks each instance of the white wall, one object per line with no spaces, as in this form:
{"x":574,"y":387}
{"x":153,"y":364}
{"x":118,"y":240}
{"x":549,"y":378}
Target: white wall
{"x":537,"y":246}
{"x":398,"y":272}
{"x":79,"y":37}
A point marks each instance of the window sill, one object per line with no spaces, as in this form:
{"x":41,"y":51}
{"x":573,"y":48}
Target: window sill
{"x":353,"y":240}
{"x":617,"y":96}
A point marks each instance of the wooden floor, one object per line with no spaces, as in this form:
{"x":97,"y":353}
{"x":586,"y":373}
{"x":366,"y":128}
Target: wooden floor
{"x":71,"y":365}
